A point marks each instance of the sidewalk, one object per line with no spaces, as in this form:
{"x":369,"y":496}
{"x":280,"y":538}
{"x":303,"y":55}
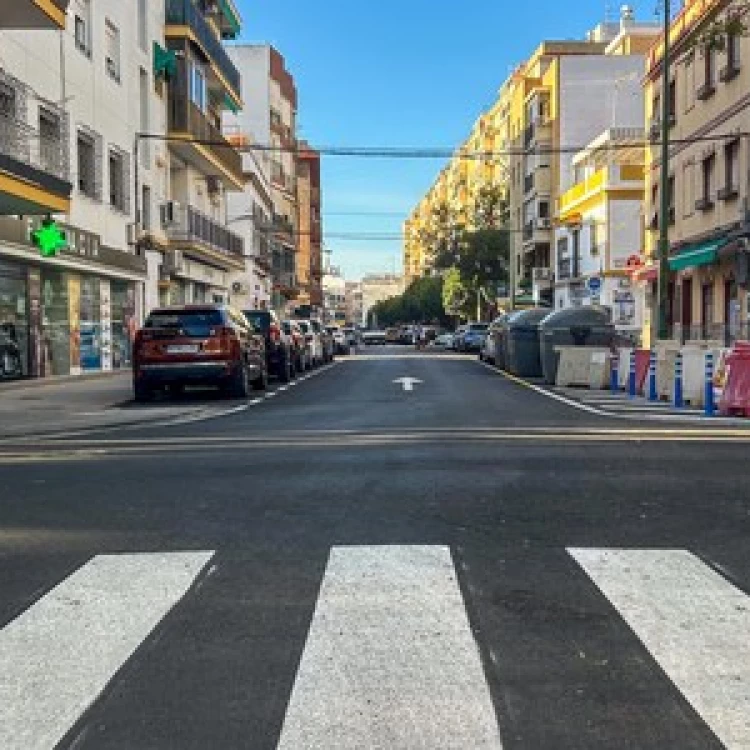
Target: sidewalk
{"x":52,"y":405}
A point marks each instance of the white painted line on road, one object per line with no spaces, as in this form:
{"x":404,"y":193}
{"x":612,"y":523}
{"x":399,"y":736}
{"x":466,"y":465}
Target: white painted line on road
{"x":408,"y":383}
{"x":256,"y":401}
{"x":390,"y":659}
{"x":692,"y":621}
{"x":545,"y":392}
{"x":272,"y":394}
{"x":283,"y":388}
{"x":57,"y":657}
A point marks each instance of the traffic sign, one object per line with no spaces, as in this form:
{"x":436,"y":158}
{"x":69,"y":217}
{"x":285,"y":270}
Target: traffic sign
{"x":594,"y":284}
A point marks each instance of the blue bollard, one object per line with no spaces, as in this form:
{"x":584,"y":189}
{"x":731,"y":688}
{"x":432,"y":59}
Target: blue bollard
{"x":652,"y":394}
{"x":631,"y":375}
{"x":679,"y":400}
{"x":614,"y":373}
{"x":708,"y":401}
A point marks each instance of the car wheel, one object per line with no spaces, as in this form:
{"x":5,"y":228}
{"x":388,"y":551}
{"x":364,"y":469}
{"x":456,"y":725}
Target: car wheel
{"x":142,"y":393}
{"x":261,"y":382}
{"x":239,"y":386}
{"x":285,"y":369}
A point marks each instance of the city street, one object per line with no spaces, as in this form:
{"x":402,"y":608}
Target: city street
{"x":362,"y":561}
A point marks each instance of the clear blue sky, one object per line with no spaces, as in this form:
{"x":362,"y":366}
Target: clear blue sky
{"x":401,"y":73}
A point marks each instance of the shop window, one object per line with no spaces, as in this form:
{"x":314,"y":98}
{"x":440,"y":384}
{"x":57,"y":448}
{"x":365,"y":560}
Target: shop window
{"x":14,"y":323}
{"x":124,"y":324}
{"x":56,"y":328}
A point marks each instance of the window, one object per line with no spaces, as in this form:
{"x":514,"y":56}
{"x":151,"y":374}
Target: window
{"x":145,"y":125}
{"x":50,"y":141}
{"x":705,"y":202}
{"x":142,"y":25}
{"x":670,"y":200}
{"x":146,"y":208}
{"x":709,"y":74}
{"x":82,"y":26}
{"x":733,"y":52}
{"x":731,"y":171}
{"x":86,"y":164}
{"x":656,"y":108}
{"x":8,"y":101}
{"x":688,"y":188}
{"x":119,"y":180}
{"x":672,"y":102}
{"x":112,"y":59}
{"x":198,"y":93}
{"x":543,"y":210}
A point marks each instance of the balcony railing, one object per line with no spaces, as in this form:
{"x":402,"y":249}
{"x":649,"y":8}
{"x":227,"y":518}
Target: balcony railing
{"x":193,"y":226}
{"x":185,"y":13}
{"x":186,"y":117}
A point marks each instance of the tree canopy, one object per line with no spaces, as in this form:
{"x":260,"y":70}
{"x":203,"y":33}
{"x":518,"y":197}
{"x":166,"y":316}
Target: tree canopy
{"x":422,"y":302}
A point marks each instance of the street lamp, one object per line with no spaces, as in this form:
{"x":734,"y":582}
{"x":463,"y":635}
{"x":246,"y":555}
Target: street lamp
{"x":663,"y":332}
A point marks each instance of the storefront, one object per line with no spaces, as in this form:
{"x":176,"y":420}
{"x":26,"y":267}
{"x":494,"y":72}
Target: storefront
{"x":74,"y":313}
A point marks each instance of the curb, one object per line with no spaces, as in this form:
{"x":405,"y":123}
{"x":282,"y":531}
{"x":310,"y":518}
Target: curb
{"x":19,"y":385}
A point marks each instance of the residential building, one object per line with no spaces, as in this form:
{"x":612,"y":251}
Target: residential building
{"x":203,"y":255}
{"x":564,"y":97}
{"x":310,"y":242}
{"x":599,"y":235}
{"x":74,"y":91}
{"x":272,"y":122}
{"x":379,"y":287}
{"x":353,"y":303}
{"x":334,"y":296}
{"x":708,"y":221}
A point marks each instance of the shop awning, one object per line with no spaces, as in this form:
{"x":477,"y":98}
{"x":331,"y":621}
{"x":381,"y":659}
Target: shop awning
{"x":702,"y":254}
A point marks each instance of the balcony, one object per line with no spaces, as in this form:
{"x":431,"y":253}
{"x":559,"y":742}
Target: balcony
{"x":729,"y":72}
{"x":613,"y":177}
{"x":728,"y":193}
{"x":704,"y":204}
{"x":34,"y":166}
{"x":184,"y":20}
{"x":33,"y":14}
{"x":195,"y":232}
{"x":706,"y":91}
{"x":212,"y":155}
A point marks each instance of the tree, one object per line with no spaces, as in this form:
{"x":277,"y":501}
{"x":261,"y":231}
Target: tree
{"x":422,"y":302}
{"x":456,"y":297}
{"x":490,"y":208}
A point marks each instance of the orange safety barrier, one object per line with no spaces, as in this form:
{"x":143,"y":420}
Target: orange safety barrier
{"x":735,"y":400}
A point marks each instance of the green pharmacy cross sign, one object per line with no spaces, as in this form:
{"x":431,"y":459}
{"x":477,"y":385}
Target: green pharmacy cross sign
{"x":49,"y":238}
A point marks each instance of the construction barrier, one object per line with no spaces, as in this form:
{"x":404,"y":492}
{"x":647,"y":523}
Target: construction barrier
{"x":577,"y":366}
{"x":641,"y":368}
{"x":735,"y":398}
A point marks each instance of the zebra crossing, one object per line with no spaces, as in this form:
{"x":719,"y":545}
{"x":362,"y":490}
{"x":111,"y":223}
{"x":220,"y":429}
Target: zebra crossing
{"x":402,"y":646}
{"x":621,"y":404}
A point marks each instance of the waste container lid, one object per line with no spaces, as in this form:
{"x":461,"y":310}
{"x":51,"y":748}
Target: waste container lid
{"x":577,"y":316}
{"x":527,"y":318}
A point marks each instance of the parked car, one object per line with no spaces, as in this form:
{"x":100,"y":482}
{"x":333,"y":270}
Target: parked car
{"x":278,"y":344}
{"x":492,"y":349}
{"x":406,"y":335}
{"x":301,"y":351}
{"x":370,"y":338}
{"x":326,"y":341}
{"x":443,"y":341}
{"x":474,"y":336}
{"x":458,"y":336}
{"x":392,"y":335}
{"x":352,"y":336}
{"x":340,"y":343}
{"x":198,"y":344}
{"x":314,"y":341}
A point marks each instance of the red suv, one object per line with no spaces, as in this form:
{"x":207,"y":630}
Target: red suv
{"x":198,"y":344}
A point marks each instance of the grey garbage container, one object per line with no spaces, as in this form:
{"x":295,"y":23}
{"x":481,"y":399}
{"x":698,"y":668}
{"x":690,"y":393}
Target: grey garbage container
{"x":521,"y":342}
{"x":574,"y":326}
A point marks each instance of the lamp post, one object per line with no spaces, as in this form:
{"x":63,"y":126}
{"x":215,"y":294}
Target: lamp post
{"x":663,"y":331}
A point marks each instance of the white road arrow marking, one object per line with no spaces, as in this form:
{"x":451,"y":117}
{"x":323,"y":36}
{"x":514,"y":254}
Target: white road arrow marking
{"x":408,"y":383}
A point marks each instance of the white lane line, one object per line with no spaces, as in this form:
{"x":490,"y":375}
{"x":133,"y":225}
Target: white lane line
{"x":693,"y":622}
{"x":273,"y":394}
{"x":58,"y":655}
{"x":283,"y":388}
{"x":256,"y":401}
{"x":390,"y":660}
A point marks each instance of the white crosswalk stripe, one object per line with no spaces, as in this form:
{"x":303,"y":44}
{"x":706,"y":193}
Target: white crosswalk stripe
{"x":390,"y":661}
{"x":694,"y":623}
{"x":57,"y":657}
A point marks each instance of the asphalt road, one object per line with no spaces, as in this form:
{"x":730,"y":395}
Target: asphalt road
{"x":347,"y":564}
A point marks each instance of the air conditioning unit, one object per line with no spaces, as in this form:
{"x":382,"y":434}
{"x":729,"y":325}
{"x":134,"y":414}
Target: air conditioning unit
{"x":169,"y":212}
{"x":174,"y":262}
{"x":541,"y":274}
{"x":135,"y":233}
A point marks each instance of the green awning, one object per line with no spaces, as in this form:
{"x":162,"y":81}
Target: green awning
{"x":702,"y":254}
{"x":231,"y":17}
{"x":230,"y":105}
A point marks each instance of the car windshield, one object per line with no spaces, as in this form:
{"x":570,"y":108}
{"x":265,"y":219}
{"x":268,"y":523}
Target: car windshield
{"x":479,"y":327}
{"x":304,"y":326}
{"x":186,"y":323}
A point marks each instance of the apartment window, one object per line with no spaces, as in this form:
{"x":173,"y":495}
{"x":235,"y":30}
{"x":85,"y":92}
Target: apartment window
{"x":87,"y":167}
{"x":670,"y":200}
{"x":146,"y":208}
{"x":119,"y":180}
{"x":112,"y":46}
{"x":8,"y":101}
{"x":50,"y":141}
{"x":731,"y":171}
{"x":656,"y":108}
{"x":688,"y":188}
{"x":672,"y":102}
{"x":709,"y":74}
{"x":705,"y":201}
{"x":198,"y":91}
{"x":654,"y":217}
{"x":543,"y":210}
{"x":82,"y":26}
{"x":145,"y":125}
{"x":142,"y":25}
{"x":733,"y":55}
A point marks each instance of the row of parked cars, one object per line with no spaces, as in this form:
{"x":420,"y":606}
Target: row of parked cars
{"x":217,"y":345}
